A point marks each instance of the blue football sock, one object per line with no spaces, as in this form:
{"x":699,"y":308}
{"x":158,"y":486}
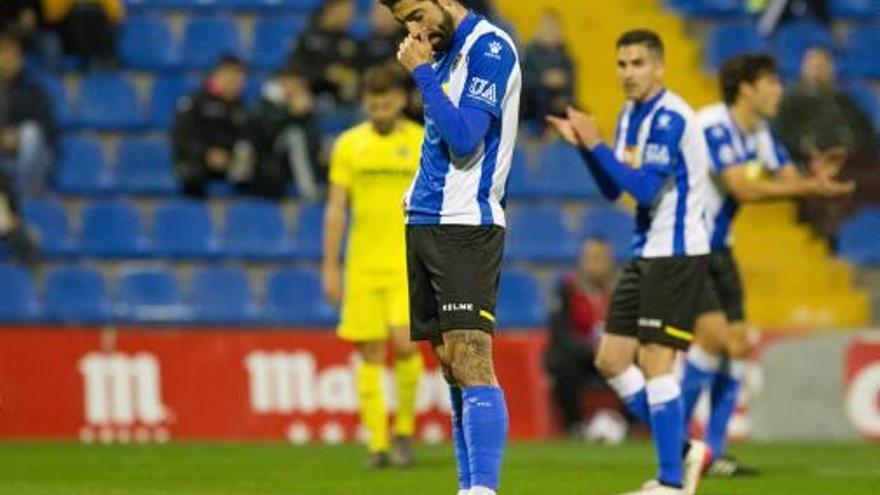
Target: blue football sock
{"x":458,"y":439}
{"x":485,"y":428}
{"x":630,"y":387}
{"x":667,"y":428}
{"x":725,"y":393}
{"x":699,"y":372}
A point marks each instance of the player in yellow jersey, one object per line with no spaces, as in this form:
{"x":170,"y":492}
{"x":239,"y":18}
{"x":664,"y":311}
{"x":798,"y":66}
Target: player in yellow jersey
{"x":371,"y":168}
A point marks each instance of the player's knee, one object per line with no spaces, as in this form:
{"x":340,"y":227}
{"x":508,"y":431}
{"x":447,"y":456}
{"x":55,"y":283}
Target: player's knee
{"x":372,"y":352}
{"x":609,"y":365}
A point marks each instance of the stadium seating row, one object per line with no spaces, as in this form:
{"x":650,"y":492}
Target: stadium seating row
{"x":216,"y":295}
{"x":257,"y":230}
{"x":725,"y":9}
{"x":859,"y":239}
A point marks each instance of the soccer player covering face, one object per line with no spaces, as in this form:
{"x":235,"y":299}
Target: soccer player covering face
{"x":370,"y":169}
{"x":659,"y":156}
{"x":468,"y":73}
{"x":748,"y":164}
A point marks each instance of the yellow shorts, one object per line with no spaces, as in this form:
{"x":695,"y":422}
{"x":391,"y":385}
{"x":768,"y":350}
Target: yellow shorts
{"x":373,"y":304}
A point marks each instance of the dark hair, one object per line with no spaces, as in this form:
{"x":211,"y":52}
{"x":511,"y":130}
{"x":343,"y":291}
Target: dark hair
{"x":385,"y":77}
{"x":746,"y":69}
{"x":229,"y":60}
{"x":642,"y":37}
{"x":11,"y":38}
{"x":291,"y":72}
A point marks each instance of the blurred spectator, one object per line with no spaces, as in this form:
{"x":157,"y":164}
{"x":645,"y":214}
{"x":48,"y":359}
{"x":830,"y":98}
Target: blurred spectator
{"x":381,"y":46}
{"x":817,"y":114}
{"x":27,"y":125}
{"x":286,"y":139}
{"x":776,"y":12}
{"x":210,"y":131}
{"x":486,"y":8}
{"x":329,"y":54}
{"x":26,"y":20}
{"x":577,"y":317}
{"x":12,"y":232}
{"x":548,"y":72}
{"x":88,"y":28}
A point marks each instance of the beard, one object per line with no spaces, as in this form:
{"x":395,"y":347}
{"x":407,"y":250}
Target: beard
{"x":441,"y":38}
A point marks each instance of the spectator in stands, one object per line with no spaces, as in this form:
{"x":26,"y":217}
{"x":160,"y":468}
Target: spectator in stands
{"x":88,"y":28}
{"x":329,"y":54}
{"x":381,"y":46}
{"x":776,"y":12}
{"x":286,"y":139}
{"x":25,"y":19}
{"x":210,"y":131}
{"x":12,"y":232}
{"x":28,"y":129}
{"x":577,"y":317}
{"x":548,"y":72}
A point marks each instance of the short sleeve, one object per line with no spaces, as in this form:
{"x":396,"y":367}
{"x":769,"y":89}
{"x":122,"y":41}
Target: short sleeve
{"x":340,"y":163}
{"x":720,"y":143}
{"x":491,"y":62}
{"x":662,"y":149}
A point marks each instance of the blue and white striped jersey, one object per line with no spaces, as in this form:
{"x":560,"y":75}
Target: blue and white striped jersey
{"x":759,"y":151}
{"x":662,"y":134}
{"x":481,"y":69}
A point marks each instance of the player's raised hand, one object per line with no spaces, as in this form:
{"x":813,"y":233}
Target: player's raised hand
{"x":830,"y":188}
{"x":564,"y":128}
{"x":414,"y":51}
{"x":585,"y":126}
{"x":827,"y":163}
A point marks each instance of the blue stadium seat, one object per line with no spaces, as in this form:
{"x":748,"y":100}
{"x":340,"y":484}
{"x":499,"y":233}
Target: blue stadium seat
{"x":207,"y":39}
{"x":360,"y":28}
{"x":538,"y":233}
{"x":520,"y":304}
{"x":112,"y":229}
{"x":18,"y":300}
{"x":854,"y":8}
{"x":253,"y":89}
{"x":563,"y":174}
{"x":863,"y":56}
{"x":144,"y":166}
{"x":81,"y":168}
{"x":294,"y":297}
{"x":273,"y":41}
{"x":54,"y":88}
{"x":612,"y":224}
{"x":222,"y":295}
{"x":859,"y":239}
{"x":255,"y":229}
{"x":150,"y":295}
{"x":521,"y":183}
{"x":726,"y":41}
{"x":187,"y":5}
{"x":709,"y":8}
{"x":183,"y":229}
{"x":792,"y":40}
{"x":164,"y":97}
{"x":299,"y":6}
{"x":47,"y":219}
{"x":309,"y":231}
{"x":145,"y":43}
{"x":107,"y":101}
{"x":76,"y":294}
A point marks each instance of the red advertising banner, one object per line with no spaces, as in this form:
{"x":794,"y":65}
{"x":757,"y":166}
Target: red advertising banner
{"x":155,"y":385}
{"x":862,"y":393}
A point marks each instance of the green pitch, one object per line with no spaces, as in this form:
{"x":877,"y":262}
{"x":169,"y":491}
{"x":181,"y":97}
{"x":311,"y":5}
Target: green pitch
{"x":533,"y":469}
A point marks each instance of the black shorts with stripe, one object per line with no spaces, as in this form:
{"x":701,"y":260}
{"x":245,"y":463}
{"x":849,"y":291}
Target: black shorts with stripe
{"x":453,"y":273}
{"x":657,"y":300}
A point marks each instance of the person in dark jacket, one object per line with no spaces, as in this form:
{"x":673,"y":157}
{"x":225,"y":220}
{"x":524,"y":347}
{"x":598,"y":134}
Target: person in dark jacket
{"x":577,"y":318}
{"x":328,"y":54}
{"x":286,"y":139}
{"x":210,"y":131}
{"x":28,"y":129}
{"x":548,"y":72}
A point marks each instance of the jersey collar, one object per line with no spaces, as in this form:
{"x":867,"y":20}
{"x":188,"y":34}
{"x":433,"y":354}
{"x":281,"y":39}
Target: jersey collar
{"x":640,"y":110}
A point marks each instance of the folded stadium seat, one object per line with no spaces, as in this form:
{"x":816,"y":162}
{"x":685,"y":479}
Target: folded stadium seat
{"x":728,"y":40}
{"x":107,"y":101}
{"x":207,"y":39}
{"x":255,"y":229}
{"x":113,"y":230}
{"x":76,"y":295}
{"x":360,"y":28}
{"x":183,"y":229}
{"x":862,"y":53}
{"x":563,"y":174}
{"x":299,"y":6}
{"x":146,"y":43}
{"x":222,"y":295}
{"x":253,"y":89}
{"x":164,"y":97}
{"x":854,"y":8}
{"x":47,"y":220}
{"x":18,"y":300}
{"x":335,"y":121}
{"x":859,"y":238}
{"x":80,"y":168}
{"x":308,"y":232}
{"x":709,"y":8}
{"x":791,"y":40}
{"x":520,"y":304}
{"x":187,"y":5}
{"x":54,"y":88}
{"x":612,"y":224}
{"x":521,"y":183}
{"x":294,"y":297}
{"x":150,"y":295}
{"x":274,"y":38}
{"x":538,"y":233}
{"x":868,"y":100}
{"x":143,"y":166}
